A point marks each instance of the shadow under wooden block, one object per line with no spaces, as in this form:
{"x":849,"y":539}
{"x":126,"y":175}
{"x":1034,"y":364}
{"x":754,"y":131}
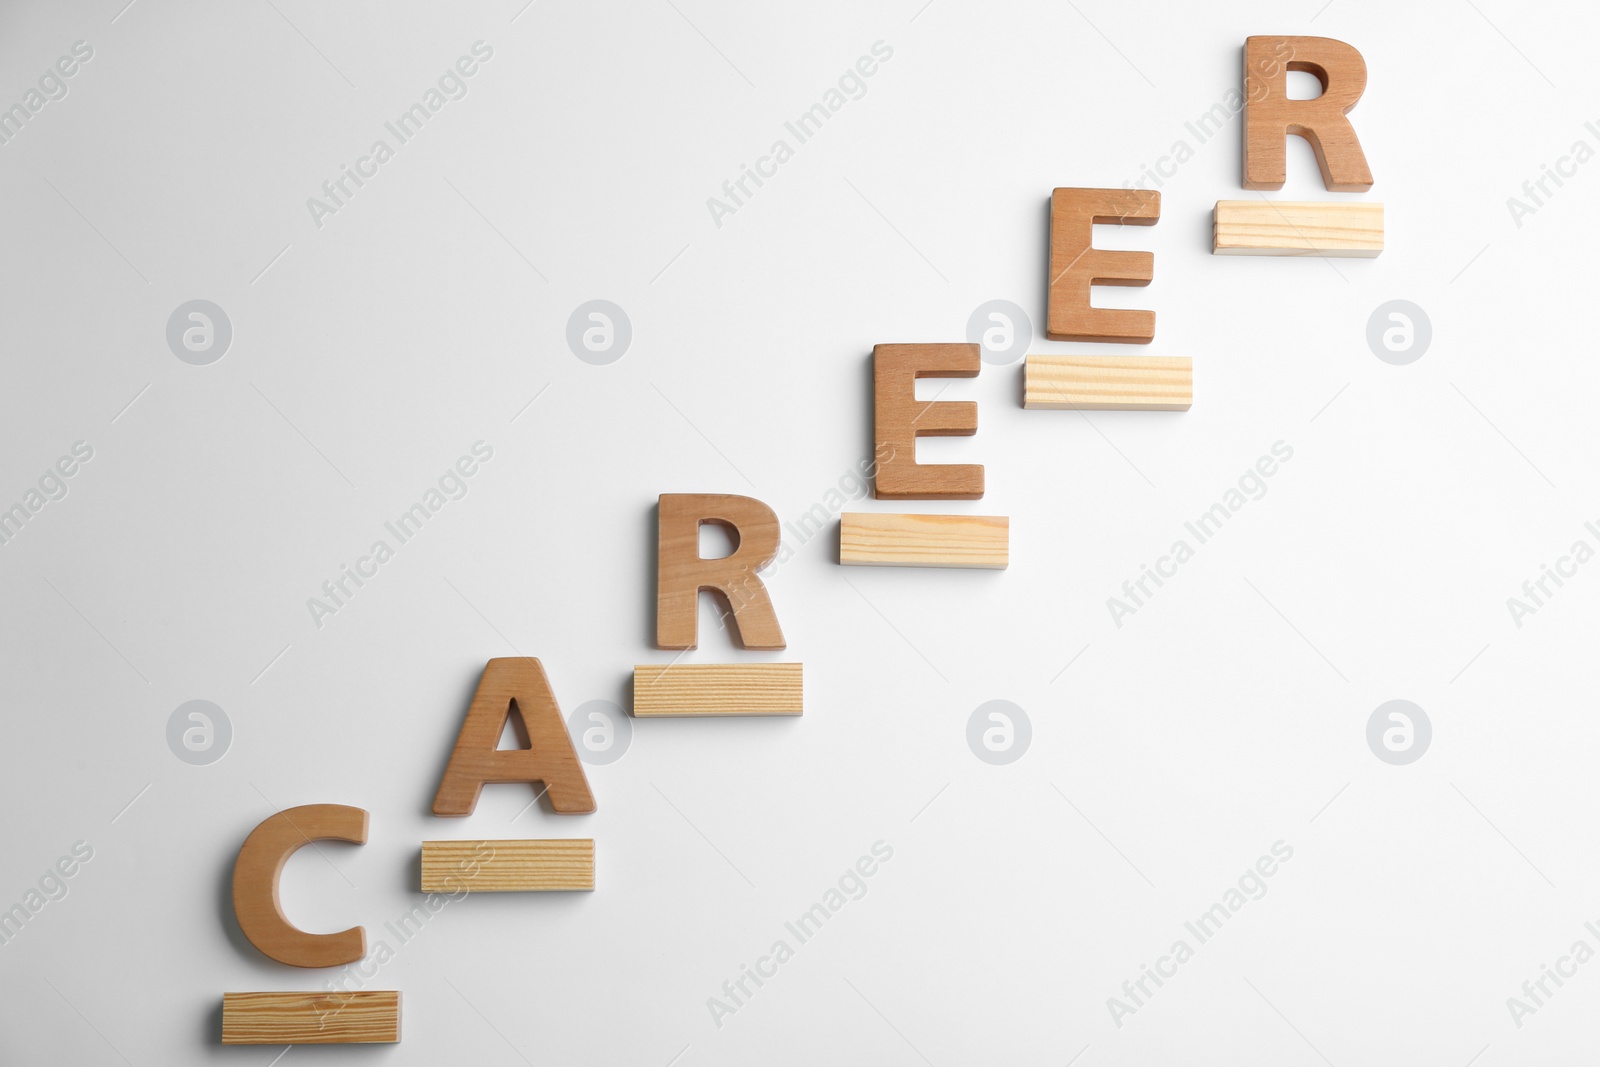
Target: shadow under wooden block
{"x":514,"y":866}
{"x":873,"y":540}
{"x":366,"y":1016}
{"x":1108,"y":383}
{"x":680,"y":689}
{"x":1335,"y":229}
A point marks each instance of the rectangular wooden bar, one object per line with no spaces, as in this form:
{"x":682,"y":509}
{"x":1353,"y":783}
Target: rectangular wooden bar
{"x":1108,"y":383}
{"x":513,"y":866}
{"x":365,"y":1016}
{"x":663,"y":689}
{"x":1343,"y":229}
{"x":873,"y":540}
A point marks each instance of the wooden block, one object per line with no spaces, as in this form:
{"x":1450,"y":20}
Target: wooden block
{"x":1270,"y":116}
{"x":1108,"y":383}
{"x":1335,"y":229}
{"x":255,"y":885}
{"x":517,"y":866}
{"x":980,"y":541}
{"x":899,"y":418}
{"x":667,"y":689}
{"x":1076,"y":265}
{"x":366,"y":1016}
{"x":682,"y":573}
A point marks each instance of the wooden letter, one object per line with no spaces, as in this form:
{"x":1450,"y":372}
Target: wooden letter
{"x":1075,"y":264}
{"x":255,"y":885}
{"x":1270,"y":116}
{"x":874,"y":540}
{"x":685,"y":689}
{"x":507,"y":866}
{"x":900,"y":418}
{"x":513,"y":684}
{"x":1108,"y":383}
{"x":1332,"y":229}
{"x":362,"y":1016}
{"x":681,"y":572}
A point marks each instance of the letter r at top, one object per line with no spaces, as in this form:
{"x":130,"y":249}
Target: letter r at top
{"x":1270,"y":116}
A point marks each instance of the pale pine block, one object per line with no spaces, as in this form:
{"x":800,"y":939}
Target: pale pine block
{"x":874,"y":540}
{"x":365,"y":1016}
{"x":1108,"y":383}
{"x":511,"y":866}
{"x":1335,"y":229}
{"x":665,"y":689}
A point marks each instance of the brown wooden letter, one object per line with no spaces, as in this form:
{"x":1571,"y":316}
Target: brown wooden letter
{"x":255,"y":885}
{"x":1270,"y":116}
{"x":1075,"y":264}
{"x":900,"y":418}
{"x":681,"y":572}
{"x":513,"y":684}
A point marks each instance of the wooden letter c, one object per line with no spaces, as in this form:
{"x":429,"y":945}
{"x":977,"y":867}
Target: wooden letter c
{"x":255,"y":885}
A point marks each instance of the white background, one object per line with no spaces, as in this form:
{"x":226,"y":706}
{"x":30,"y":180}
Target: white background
{"x":369,"y":353}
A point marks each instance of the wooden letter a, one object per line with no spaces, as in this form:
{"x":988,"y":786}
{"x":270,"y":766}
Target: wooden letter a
{"x":507,"y":685}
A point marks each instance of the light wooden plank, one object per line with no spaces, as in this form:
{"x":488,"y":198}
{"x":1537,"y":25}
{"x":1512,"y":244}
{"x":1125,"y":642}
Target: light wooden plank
{"x":1338,"y":229}
{"x":1108,"y":383}
{"x":365,"y":1016}
{"x":874,"y":540}
{"x":668,"y":689}
{"x":515,"y":866}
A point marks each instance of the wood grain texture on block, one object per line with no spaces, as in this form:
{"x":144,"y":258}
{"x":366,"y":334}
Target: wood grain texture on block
{"x":365,"y":1016}
{"x":1108,"y":383}
{"x":512,"y":866}
{"x":681,"y":689}
{"x":1298,"y":228}
{"x":872,"y":540}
